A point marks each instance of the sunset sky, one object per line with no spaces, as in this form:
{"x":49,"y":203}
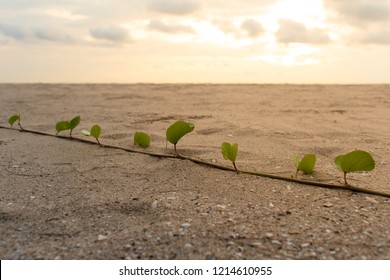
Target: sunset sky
{"x":180,"y":41}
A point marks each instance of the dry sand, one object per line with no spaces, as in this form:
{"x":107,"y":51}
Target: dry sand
{"x":64,"y":199}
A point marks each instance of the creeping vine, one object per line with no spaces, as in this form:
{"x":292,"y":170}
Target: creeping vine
{"x":212,"y":165}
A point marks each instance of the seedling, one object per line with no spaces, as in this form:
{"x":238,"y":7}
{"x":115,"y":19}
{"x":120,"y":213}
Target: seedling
{"x":13,"y":119}
{"x":65,"y":125}
{"x":306,"y":164}
{"x":355,"y":161}
{"x":94,"y":132}
{"x":229,"y":152}
{"x":73,"y":124}
{"x":141,"y":139}
{"x":176,"y":131}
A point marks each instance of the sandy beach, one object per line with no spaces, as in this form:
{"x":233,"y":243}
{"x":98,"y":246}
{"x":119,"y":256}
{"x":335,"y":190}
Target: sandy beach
{"x":69,"y":200}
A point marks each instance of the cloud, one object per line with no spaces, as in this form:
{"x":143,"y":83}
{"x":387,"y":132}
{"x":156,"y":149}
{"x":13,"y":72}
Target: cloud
{"x":252,"y":27}
{"x":52,"y":35}
{"x":12,"y":31}
{"x":295,"y":32}
{"x":62,"y":14}
{"x":361,"y":11}
{"x":173,"y":7}
{"x":225,"y":25}
{"x":381,"y":37}
{"x":368,"y":21}
{"x":112,"y":33}
{"x":247,"y":28}
{"x":164,"y":27}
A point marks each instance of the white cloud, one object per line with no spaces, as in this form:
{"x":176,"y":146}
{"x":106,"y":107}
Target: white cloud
{"x":174,"y":7}
{"x":46,"y":34}
{"x":378,"y":37}
{"x":111,"y":33}
{"x":295,"y":32}
{"x":360,"y":11}
{"x":366,"y":21}
{"x":252,"y":27}
{"x":62,"y":13}
{"x":12,"y":31}
{"x":162,"y":26}
{"x":227,"y":31}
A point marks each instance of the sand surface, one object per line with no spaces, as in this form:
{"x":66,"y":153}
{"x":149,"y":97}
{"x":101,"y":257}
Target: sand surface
{"x":64,"y":199}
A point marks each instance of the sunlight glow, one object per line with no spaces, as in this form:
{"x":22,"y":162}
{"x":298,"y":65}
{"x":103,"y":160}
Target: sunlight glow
{"x":311,"y":13}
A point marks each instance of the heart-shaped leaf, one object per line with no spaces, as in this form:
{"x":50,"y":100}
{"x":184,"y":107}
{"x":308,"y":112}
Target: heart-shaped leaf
{"x":13,"y":119}
{"x":229,"y":151}
{"x":296,"y":160}
{"x":62,"y":125}
{"x":74,"y":122}
{"x":306,"y":164}
{"x":141,"y":139}
{"x":95,"y":131}
{"x":355,"y":161}
{"x":177,"y":130}
{"x":337,"y":161}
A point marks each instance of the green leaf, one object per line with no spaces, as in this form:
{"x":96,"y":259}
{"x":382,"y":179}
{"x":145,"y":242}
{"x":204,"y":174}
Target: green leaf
{"x":176,"y":131}
{"x":296,"y":160}
{"x":95,"y":131}
{"x":337,"y":161}
{"x":13,"y":119}
{"x":74,"y":122}
{"x":229,"y":151}
{"x":306,"y":165}
{"x":62,"y":125}
{"x":141,"y":139}
{"x":86,"y":132}
{"x":355,"y":161}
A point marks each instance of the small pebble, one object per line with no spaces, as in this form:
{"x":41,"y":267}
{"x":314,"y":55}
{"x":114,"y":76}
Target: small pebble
{"x":304,"y":245}
{"x":102,"y":237}
{"x":185,"y":225}
{"x":276,"y":242}
{"x":327,"y":204}
{"x":370,"y":199}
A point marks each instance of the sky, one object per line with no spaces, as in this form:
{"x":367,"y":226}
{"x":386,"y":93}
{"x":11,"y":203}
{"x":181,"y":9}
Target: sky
{"x":194,"y":41}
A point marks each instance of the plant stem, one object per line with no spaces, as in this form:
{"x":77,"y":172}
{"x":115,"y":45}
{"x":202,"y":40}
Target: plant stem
{"x":20,"y":126}
{"x":235,"y":167}
{"x":198,"y":161}
{"x":296,"y":174}
{"x":345,"y":178}
{"x":176,"y":152}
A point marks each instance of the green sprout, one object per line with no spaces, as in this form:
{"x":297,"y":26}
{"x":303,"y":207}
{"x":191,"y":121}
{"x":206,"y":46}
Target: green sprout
{"x":13,"y":119}
{"x":94,"y":132}
{"x":65,"y":125}
{"x":229,"y":152}
{"x":355,"y":161}
{"x":176,"y":131}
{"x":142,"y":139}
{"x":306,"y":164}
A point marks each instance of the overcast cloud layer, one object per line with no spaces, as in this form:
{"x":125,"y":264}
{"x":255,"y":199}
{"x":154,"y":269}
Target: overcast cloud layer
{"x":195,"y":41}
